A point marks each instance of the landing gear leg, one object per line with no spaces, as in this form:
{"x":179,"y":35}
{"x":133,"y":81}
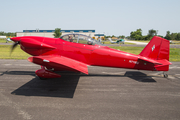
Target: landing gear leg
{"x":165,"y":75}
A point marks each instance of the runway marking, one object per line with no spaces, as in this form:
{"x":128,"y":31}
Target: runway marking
{"x":10,"y":103}
{"x":172,"y":67}
{"x":7,"y":64}
{"x":171,"y":77}
{"x":115,"y":73}
{"x":19,"y":64}
{"x":27,"y":65}
{"x":157,"y":73}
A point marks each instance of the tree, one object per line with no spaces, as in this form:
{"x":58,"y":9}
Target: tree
{"x":107,"y":36}
{"x":160,"y":36}
{"x":9,"y":34}
{"x":137,"y":35}
{"x":152,"y":33}
{"x":145,"y":37}
{"x":174,"y":36}
{"x":178,"y":36}
{"x":2,"y":33}
{"x":122,"y":36}
{"x":57,"y":33}
{"x":113,"y":36}
{"x":168,"y":36}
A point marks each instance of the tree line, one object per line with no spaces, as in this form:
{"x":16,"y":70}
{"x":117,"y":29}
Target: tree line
{"x":9,"y":34}
{"x":137,"y":35}
{"x":172,"y":36}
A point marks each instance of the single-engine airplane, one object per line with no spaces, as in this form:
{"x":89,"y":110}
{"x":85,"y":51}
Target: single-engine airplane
{"x":117,"y":41}
{"x":8,"y":40}
{"x":75,"y":52}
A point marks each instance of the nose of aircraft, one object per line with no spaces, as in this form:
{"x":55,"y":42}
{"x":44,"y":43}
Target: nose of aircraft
{"x":15,"y":39}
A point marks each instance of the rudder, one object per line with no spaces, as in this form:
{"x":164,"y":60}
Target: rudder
{"x":157,"y":49}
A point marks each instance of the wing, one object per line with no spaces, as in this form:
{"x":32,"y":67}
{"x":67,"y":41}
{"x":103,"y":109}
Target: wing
{"x":60,"y":62}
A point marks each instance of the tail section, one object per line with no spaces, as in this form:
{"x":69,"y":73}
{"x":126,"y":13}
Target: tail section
{"x":157,"y":50}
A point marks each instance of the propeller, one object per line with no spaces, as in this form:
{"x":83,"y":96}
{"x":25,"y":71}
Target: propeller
{"x":14,"y":46}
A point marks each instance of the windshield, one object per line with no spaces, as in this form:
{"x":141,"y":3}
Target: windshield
{"x":80,"y":38}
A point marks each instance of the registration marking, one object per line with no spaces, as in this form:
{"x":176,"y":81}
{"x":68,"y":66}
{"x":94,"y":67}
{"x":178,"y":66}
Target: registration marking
{"x":135,"y":62}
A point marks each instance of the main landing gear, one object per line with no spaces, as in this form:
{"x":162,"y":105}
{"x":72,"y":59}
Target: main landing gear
{"x":43,"y":73}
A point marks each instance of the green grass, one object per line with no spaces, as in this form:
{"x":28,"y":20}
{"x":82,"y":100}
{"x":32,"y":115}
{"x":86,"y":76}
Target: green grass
{"x":20,"y":54}
{"x":129,"y":49}
{"x":174,"y":52}
{"x":16,"y":54}
{"x":2,"y":40}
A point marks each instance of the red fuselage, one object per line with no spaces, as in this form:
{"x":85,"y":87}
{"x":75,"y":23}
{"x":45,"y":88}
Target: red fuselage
{"x":95,"y":55}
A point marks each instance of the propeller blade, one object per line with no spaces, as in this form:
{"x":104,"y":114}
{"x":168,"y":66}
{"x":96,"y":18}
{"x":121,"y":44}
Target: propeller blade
{"x":14,"y":46}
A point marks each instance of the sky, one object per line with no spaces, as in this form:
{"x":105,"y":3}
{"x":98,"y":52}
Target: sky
{"x":111,"y":17}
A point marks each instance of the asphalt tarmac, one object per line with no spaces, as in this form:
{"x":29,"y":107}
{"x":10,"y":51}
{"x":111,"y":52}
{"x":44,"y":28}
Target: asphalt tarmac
{"x":104,"y":94}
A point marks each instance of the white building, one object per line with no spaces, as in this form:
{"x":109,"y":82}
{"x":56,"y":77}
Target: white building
{"x":4,"y":37}
{"x":49,"y":33}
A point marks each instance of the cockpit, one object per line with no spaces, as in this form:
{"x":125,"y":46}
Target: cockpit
{"x":80,"y":38}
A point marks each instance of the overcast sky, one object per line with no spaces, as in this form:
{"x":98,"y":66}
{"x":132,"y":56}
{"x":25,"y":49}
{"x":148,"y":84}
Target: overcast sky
{"x":112,"y":17}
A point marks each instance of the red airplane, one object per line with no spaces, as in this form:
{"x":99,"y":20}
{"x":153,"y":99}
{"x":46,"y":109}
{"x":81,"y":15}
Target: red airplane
{"x":75,"y":52}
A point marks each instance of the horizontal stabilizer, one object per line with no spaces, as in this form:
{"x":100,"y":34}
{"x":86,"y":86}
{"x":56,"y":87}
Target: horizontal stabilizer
{"x":159,"y":65}
{"x":149,"y":60}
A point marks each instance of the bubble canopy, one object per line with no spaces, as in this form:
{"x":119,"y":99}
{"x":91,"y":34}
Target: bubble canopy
{"x":80,"y":38}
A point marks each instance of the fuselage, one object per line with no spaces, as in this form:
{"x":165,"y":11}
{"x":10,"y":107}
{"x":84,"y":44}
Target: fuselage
{"x":95,"y":55}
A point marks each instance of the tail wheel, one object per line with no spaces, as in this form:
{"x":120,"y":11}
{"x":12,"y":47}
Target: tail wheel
{"x":165,"y":75}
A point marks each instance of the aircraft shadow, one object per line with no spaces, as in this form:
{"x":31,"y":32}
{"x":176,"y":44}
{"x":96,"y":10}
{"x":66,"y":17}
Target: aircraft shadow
{"x":58,"y":87}
{"x":65,"y":86}
{"x":139,"y":76}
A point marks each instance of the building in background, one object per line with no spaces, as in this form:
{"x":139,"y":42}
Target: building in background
{"x":99,"y":36}
{"x":3,"y":37}
{"x":49,"y":33}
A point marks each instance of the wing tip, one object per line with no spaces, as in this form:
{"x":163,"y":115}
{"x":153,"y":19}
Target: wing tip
{"x":30,"y":59}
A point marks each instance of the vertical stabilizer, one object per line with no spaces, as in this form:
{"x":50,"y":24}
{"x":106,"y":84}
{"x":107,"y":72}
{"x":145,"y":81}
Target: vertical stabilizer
{"x":157,"y":49}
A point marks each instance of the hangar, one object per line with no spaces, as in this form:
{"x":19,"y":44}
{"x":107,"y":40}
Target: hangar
{"x":49,"y":33}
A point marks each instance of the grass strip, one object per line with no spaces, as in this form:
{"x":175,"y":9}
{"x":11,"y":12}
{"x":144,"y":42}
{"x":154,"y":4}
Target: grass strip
{"x":16,"y":54}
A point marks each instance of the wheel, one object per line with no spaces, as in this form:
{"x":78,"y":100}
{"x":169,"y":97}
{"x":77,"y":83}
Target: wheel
{"x":165,"y":75}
